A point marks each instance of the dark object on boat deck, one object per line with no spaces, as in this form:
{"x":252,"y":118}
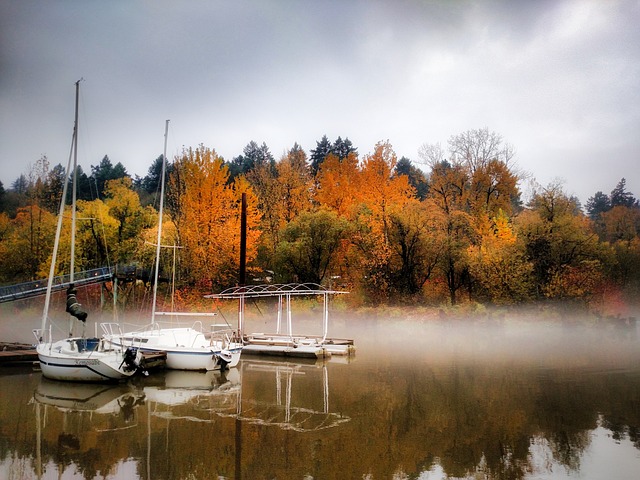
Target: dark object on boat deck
{"x":73,"y":307}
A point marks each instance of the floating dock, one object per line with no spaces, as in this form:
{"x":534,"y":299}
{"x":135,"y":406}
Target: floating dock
{"x":11,"y":353}
{"x":284,"y":342}
{"x":295,"y":345}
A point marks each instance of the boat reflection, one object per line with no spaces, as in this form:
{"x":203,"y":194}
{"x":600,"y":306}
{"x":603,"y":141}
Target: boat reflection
{"x":107,"y":399}
{"x":190,"y":390}
{"x":284,"y":394}
{"x":291,"y":395}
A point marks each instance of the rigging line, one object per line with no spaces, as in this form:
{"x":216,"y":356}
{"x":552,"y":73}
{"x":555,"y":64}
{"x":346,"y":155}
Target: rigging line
{"x":222,"y":315}
{"x":104,"y":232}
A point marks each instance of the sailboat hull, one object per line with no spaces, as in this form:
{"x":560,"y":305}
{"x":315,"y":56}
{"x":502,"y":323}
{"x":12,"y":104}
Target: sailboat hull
{"x":186,"y":348}
{"x":59,"y":361}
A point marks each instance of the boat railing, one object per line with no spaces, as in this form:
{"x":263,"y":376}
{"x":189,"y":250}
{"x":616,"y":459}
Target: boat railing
{"x":111,"y":329}
{"x":42,"y":336}
{"x":223,"y":333}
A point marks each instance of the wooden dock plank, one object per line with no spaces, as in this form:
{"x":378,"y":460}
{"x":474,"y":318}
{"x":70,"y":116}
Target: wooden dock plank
{"x":19,"y":355}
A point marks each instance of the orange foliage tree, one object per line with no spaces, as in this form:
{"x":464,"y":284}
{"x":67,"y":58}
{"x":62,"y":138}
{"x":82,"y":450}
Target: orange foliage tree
{"x":283,"y":192}
{"x":339,"y":184}
{"x":381,"y":195}
{"x":206,"y":211}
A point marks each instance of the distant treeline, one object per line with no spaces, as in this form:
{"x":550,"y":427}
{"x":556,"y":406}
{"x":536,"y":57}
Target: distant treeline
{"x":455,"y":231}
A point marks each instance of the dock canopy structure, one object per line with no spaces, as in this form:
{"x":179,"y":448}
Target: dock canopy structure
{"x":284,"y":341}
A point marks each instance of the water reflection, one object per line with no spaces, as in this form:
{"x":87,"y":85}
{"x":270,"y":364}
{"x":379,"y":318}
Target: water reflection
{"x":427,"y":402}
{"x":297,"y":400}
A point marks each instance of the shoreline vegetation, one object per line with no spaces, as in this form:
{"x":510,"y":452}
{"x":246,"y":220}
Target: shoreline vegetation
{"x":455,"y":231}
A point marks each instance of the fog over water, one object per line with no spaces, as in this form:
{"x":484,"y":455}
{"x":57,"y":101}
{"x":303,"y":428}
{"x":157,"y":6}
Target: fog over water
{"x":518,"y":335}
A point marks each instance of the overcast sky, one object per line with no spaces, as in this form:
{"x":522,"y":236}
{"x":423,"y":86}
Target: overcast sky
{"x":559,"y":80}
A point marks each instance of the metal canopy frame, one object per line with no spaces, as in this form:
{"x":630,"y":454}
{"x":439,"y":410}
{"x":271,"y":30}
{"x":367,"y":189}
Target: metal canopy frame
{"x":272,"y":290}
{"x":283,"y":292}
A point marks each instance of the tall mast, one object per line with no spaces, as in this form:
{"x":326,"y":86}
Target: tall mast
{"x":155,"y":282}
{"x":54,"y":256}
{"x":74,"y":194}
{"x":74,"y":188}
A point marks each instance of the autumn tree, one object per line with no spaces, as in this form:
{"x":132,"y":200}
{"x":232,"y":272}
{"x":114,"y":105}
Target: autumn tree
{"x":498,"y":266}
{"x":28,"y":236}
{"x":620,"y":223}
{"x":414,"y":246}
{"x":476,"y":184}
{"x":97,"y":243}
{"x":207,"y":217}
{"x":295,"y":178}
{"x":338,"y":184}
{"x":448,"y":193}
{"x":28,"y":240}
{"x":381,"y":195}
{"x":269,"y":191}
{"x":283,"y":193}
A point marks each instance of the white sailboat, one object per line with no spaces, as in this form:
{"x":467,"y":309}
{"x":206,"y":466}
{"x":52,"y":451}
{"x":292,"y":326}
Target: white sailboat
{"x":186,"y":348}
{"x":74,"y":358}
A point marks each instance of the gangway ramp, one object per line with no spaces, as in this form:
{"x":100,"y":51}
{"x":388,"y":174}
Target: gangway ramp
{"x":39,"y":287}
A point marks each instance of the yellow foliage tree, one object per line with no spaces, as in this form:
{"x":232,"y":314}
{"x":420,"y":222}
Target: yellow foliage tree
{"x":27,"y":240}
{"x":124,"y":206}
{"x":497,"y":264}
{"x":295,"y":181}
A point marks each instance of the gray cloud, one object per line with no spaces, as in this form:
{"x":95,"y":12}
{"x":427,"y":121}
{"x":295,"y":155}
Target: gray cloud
{"x":558,"y":79}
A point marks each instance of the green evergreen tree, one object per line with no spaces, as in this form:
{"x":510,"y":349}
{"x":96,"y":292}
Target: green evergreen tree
{"x":342,"y":148}
{"x":417,"y":179}
{"x":253,"y":156}
{"x":598,"y":204}
{"x":2,"y":195}
{"x":105,"y":171}
{"x":318,"y":155}
{"x":620,"y":196}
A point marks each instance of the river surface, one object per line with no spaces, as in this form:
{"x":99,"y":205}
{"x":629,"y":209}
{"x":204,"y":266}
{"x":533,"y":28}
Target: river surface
{"x":421,"y":399}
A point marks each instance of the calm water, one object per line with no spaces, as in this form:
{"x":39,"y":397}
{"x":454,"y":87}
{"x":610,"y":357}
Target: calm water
{"x":509,"y":400}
